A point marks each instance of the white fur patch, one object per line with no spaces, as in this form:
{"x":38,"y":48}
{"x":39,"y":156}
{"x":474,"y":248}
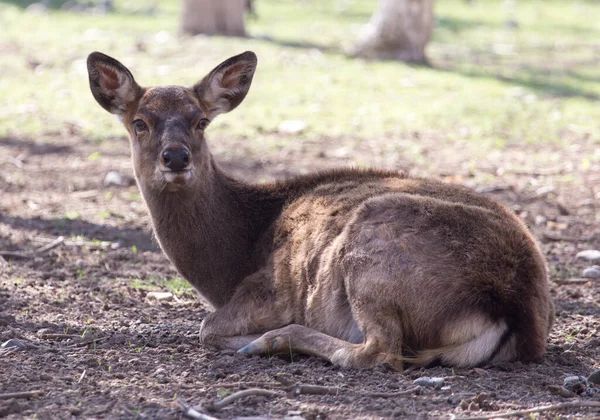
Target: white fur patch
{"x":480,"y":337}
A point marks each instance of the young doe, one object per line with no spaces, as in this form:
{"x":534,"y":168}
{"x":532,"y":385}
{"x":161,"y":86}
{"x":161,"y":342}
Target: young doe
{"x":359,"y":267}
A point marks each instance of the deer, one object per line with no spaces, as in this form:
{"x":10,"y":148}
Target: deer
{"x":360,"y":267}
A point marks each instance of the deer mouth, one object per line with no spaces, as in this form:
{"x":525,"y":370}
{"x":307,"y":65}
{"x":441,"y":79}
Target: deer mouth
{"x":177,"y":177}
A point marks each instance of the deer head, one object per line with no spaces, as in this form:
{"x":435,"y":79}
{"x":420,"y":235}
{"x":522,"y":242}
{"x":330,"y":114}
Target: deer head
{"x":166,"y":124}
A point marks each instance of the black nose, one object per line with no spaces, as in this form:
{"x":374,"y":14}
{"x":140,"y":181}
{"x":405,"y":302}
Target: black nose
{"x":176,"y":160}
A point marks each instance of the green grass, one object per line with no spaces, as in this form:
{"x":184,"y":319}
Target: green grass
{"x":488,"y":83}
{"x":175,"y":285}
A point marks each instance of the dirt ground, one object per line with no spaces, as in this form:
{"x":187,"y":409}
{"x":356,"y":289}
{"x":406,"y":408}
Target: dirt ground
{"x":98,"y":345}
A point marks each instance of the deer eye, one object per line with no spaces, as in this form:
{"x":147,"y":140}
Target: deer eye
{"x":140,"y":126}
{"x":202,"y":124}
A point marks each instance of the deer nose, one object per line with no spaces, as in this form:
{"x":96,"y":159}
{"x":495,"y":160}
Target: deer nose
{"x":176,"y":160}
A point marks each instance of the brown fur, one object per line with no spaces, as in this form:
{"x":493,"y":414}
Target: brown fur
{"x":357,"y":266}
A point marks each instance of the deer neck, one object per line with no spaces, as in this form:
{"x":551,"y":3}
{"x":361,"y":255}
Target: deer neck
{"x":207,"y":233}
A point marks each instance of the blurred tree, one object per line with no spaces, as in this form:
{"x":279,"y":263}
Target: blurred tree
{"x":213,"y":17}
{"x":398,"y":30}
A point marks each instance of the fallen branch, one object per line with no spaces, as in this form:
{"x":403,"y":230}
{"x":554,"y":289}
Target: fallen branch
{"x":52,"y":336}
{"x":390,"y":394}
{"x":219,"y":405}
{"x":56,"y":242}
{"x":246,"y":385}
{"x":312,"y":390}
{"x":90,"y":244}
{"x":574,"y":281}
{"x":573,"y":404}
{"x":50,"y":246}
{"x":26,"y":394}
{"x":194,"y":414}
{"x":557,"y":238}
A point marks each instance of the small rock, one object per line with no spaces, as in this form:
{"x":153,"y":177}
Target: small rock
{"x":14,"y":344}
{"x":594,"y":377}
{"x":291,"y":127}
{"x":74,"y":410}
{"x":114,"y":178}
{"x":592,"y":272}
{"x":561,"y":391}
{"x":160,"y":296}
{"x":446,"y":388}
{"x":160,"y":372}
{"x":589,"y":255}
{"x":80,"y":264}
{"x":43,"y":331}
{"x":576,"y":384}
{"x":115,"y":245}
{"x":573,"y":379}
{"x":45,"y":377}
{"x":427,"y":381}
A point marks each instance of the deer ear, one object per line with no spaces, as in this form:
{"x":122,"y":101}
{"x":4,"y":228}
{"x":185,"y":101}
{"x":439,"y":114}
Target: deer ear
{"x":227,"y":85}
{"x":111,"y":83}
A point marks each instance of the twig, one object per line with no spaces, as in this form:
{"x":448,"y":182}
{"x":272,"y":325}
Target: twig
{"x":573,"y":404}
{"x":390,"y":394}
{"x":82,"y":376}
{"x":246,"y":385}
{"x":51,"y":336}
{"x":26,"y":394}
{"x":574,"y":281}
{"x":555,"y":237}
{"x":218,"y":405}
{"x":56,"y":242}
{"x":312,"y":390}
{"x":14,"y":254}
{"x":96,"y":244}
{"x":49,"y":246}
{"x":192,"y":413}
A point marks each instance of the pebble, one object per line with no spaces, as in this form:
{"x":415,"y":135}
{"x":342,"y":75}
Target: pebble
{"x":432,"y":382}
{"x":160,"y":372}
{"x":576,"y":384}
{"x":14,"y":344}
{"x":573,"y":379}
{"x":592,"y":272}
{"x":80,"y":264}
{"x":594,"y":377}
{"x":291,"y":127}
{"x":114,"y":178}
{"x":160,"y":296}
{"x":589,"y":255}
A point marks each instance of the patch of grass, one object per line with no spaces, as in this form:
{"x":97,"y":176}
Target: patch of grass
{"x":175,"y":285}
{"x":489,"y":84}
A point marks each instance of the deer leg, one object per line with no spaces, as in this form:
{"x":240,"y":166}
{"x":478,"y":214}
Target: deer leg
{"x":305,"y":340}
{"x":253,"y":310}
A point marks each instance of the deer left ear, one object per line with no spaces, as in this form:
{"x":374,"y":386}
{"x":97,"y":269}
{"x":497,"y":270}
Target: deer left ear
{"x":227,"y":85}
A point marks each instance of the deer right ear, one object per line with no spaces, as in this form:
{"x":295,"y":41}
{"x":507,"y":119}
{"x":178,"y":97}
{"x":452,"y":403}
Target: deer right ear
{"x":112,"y":85}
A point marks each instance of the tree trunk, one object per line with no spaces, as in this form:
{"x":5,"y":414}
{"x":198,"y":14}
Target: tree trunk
{"x":213,"y":17}
{"x":398,"y":30}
